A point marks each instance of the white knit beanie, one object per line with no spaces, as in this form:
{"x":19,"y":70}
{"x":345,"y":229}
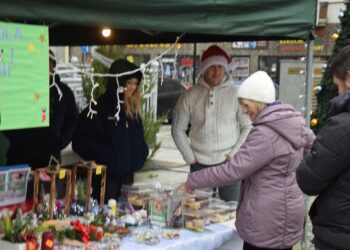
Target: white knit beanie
{"x":214,"y":55}
{"x":258,"y":87}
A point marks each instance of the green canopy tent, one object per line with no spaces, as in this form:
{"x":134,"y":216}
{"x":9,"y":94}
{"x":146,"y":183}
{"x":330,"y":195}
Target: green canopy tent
{"x":152,"y":21}
{"x":139,"y":21}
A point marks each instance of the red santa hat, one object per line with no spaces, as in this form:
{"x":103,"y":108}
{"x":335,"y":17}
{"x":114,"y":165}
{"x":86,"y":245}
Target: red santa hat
{"x":214,"y":55}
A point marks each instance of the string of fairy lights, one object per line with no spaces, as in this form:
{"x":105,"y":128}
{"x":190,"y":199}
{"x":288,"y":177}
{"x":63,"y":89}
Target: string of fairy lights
{"x":91,"y":75}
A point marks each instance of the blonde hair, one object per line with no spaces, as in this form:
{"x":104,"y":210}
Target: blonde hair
{"x":132,"y":105}
{"x":259,"y":105}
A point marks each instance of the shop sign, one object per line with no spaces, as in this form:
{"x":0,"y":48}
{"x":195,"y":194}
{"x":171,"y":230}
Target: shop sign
{"x":250,"y":45}
{"x":297,"y":45}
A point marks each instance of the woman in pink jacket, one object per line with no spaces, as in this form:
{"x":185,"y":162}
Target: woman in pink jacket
{"x":270,"y":211}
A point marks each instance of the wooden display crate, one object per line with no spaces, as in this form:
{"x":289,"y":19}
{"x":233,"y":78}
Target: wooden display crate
{"x":90,"y":167}
{"x":53,"y":173}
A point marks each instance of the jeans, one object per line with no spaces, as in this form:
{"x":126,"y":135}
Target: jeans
{"x":226,"y":193}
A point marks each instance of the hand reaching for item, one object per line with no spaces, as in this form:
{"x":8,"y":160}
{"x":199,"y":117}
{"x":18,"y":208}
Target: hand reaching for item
{"x":184,"y":187}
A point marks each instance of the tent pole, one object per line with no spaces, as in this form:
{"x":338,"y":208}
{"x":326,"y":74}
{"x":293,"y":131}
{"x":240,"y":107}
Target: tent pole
{"x":194,"y":63}
{"x":305,"y":244}
{"x":309,"y":84}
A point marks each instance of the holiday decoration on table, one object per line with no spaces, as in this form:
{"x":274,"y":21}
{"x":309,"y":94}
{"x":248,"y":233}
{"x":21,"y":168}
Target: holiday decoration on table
{"x":50,"y":173}
{"x":19,"y":230}
{"x":47,"y":241}
{"x":24,"y":73}
{"x":91,"y":168}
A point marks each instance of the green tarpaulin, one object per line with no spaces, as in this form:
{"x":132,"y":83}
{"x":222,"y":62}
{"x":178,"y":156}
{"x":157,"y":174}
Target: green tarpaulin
{"x":77,"y":22}
{"x":24,"y":76}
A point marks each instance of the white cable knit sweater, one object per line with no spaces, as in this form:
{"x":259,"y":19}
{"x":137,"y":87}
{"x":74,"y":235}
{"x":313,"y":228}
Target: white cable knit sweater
{"x":218,"y":127}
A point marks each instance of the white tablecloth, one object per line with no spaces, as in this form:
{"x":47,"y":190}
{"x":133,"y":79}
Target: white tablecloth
{"x":215,"y":236}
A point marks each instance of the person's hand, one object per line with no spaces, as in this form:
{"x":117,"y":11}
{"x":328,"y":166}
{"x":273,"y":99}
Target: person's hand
{"x":184,"y":187}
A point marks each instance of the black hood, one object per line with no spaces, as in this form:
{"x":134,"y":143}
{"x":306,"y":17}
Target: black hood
{"x":340,"y":103}
{"x":117,"y":67}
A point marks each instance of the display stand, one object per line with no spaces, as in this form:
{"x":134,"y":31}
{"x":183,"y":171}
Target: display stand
{"x":90,"y":167}
{"x":53,"y":172}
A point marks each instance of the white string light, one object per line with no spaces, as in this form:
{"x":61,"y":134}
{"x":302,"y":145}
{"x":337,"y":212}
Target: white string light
{"x":161,"y":72}
{"x":92,"y":100}
{"x":54,"y":84}
{"x":142,"y":69}
{"x":120,"y":89}
{"x":175,"y":63}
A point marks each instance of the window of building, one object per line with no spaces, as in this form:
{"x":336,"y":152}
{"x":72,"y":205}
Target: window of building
{"x":241,"y":68}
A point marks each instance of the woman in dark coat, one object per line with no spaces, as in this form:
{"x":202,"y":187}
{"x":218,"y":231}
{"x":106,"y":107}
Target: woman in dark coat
{"x":118,"y":144}
{"x":325,"y":171}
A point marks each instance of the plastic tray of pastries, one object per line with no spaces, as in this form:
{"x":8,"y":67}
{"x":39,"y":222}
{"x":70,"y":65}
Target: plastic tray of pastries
{"x":219,"y":213}
{"x":139,"y":198}
{"x":198,"y":199}
{"x":196,"y":219}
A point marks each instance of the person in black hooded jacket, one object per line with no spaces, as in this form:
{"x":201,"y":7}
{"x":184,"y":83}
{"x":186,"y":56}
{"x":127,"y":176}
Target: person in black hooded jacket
{"x":118,"y":144}
{"x":325,"y":171}
{"x":35,"y":146}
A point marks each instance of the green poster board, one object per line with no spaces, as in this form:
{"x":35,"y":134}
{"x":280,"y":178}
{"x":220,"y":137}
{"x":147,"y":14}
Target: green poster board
{"x":24,"y":76}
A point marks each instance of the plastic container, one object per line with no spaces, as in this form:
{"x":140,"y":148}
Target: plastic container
{"x":232,"y":207}
{"x":199,"y":199}
{"x":219,"y":213}
{"x":13,"y":184}
{"x":196,"y":219}
{"x":166,"y":211}
{"x":139,"y":198}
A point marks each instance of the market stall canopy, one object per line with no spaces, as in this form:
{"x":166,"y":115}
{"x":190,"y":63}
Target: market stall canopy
{"x":144,"y":21}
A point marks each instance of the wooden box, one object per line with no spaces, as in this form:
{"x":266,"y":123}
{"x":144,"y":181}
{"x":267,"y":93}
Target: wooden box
{"x":61,"y":173}
{"x":90,"y":167}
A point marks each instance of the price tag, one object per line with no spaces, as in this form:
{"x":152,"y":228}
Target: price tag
{"x":49,"y":243}
{"x":98,"y":169}
{"x":31,"y":246}
{"x":62,"y":173}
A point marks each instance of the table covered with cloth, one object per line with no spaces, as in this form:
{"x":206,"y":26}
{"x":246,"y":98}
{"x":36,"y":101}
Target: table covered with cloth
{"x":216,"y":236}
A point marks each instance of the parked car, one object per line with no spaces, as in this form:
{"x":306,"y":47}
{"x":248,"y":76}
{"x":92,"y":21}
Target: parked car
{"x":168,"y":93}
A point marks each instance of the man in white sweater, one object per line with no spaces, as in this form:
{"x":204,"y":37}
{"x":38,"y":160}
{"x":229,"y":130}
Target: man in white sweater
{"x":218,"y":127}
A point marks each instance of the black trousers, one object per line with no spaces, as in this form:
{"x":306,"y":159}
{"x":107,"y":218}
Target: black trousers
{"x":247,"y":246}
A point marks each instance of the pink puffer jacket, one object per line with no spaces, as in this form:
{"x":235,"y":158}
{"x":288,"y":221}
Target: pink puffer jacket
{"x":271,"y":210}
